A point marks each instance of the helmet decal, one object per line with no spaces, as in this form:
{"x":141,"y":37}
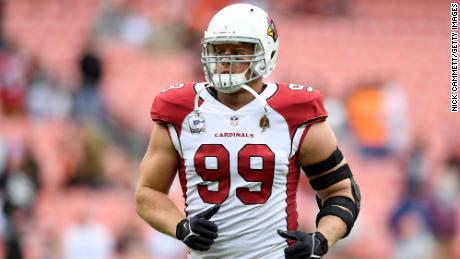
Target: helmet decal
{"x":271,"y":30}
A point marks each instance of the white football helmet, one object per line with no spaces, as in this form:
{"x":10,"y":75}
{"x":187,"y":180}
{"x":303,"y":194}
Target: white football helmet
{"x":239,"y":23}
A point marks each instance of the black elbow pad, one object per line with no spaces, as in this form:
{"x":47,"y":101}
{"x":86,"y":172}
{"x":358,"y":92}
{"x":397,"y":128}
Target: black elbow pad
{"x":334,"y":206}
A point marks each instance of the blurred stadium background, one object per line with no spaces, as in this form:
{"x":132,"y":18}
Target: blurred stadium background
{"x":77,"y":79}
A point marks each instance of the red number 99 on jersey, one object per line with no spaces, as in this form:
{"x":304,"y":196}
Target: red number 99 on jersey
{"x":221,"y":174}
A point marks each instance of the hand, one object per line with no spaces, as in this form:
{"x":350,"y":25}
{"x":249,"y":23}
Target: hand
{"x":198,"y":232}
{"x":307,"y":245}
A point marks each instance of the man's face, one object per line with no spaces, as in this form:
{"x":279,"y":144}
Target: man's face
{"x":228,"y":49}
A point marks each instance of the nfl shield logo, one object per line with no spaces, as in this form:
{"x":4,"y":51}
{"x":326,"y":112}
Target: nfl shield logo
{"x":234,"y":121}
{"x":196,"y":124}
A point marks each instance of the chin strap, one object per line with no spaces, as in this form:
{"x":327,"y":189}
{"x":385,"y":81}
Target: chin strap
{"x":264,"y":122}
{"x":197,"y":97}
{"x":257,"y":96}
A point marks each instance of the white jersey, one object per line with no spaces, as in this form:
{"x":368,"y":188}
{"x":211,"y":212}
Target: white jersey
{"x":242,"y":161}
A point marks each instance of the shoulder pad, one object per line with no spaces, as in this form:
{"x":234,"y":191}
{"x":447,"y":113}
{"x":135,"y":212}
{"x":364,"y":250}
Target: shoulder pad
{"x":173,"y":104}
{"x":299,"y":105}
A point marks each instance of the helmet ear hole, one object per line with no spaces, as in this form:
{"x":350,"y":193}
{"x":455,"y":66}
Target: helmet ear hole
{"x":259,"y":68}
{"x":273,"y":54}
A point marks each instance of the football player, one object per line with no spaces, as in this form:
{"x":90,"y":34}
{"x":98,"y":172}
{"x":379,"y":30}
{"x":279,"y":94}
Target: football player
{"x":239,"y":145}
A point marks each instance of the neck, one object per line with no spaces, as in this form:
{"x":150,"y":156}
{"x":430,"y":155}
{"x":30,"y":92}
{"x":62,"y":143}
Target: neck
{"x":240,"y":98}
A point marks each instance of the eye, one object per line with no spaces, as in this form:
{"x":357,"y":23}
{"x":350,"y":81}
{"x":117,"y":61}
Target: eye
{"x":245,"y":54}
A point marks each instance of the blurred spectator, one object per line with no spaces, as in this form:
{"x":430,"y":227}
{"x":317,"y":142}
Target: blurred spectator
{"x":46,"y":99}
{"x":453,"y":159}
{"x":446,"y":190}
{"x":19,"y":185}
{"x":396,"y":118}
{"x":118,"y":20}
{"x":336,"y":108}
{"x":135,"y":29}
{"x":416,"y":196}
{"x":87,"y":238}
{"x":13,"y":80}
{"x":19,"y":180}
{"x":88,"y":103}
{"x":338,"y":117}
{"x":130,"y":244}
{"x":411,"y":222}
{"x":444,"y":207}
{"x":414,"y":239}
{"x":378,"y":118}
{"x":107,"y":23}
{"x":363,"y":106}
{"x":90,"y":68}
{"x":3,"y":154}
{"x":416,"y":168}
{"x":90,"y":170}
{"x":424,"y":221}
{"x":145,"y":30}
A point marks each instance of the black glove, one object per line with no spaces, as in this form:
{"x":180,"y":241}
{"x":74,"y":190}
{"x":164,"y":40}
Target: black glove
{"x":307,"y":245}
{"x":198,"y":232}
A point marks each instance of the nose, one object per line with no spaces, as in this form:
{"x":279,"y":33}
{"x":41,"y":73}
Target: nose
{"x":224,"y":61}
{"x":227,"y":51}
{"x":224,"y":68}
{"x":226,"y":55}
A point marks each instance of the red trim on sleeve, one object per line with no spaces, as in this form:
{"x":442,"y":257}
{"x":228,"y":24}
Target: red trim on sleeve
{"x":298,"y":107}
{"x":183,"y":183}
{"x":173,"y":105}
{"x":291,"y":194}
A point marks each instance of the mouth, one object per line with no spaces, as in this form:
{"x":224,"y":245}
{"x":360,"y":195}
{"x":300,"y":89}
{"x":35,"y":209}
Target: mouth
{"x":223,"y":71}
